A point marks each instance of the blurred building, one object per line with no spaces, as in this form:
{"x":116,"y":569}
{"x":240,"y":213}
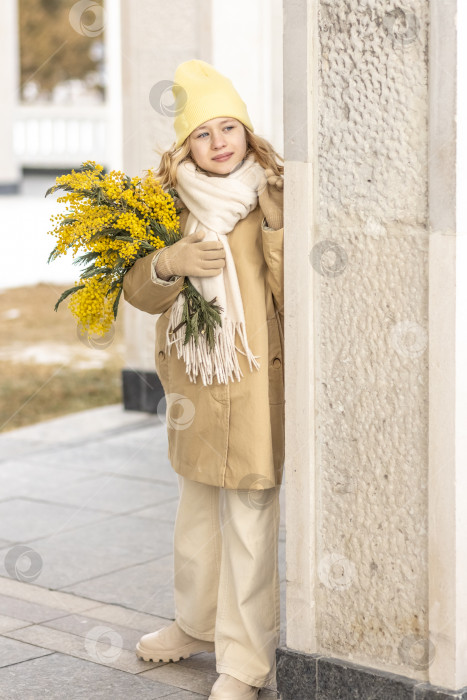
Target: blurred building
{"x":53,"y":122}
{"x":58,"y":99}
{"x":9,"y":80}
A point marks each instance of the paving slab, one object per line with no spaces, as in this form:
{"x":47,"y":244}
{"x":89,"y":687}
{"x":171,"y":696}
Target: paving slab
{"x":95,"y":550}
{"x":183,"y":677}
{"x":118,"y":615}
{"x":139,"y":454}
{"x":101,"y":645}
{"x":24,"y":518}
{"x":56,"y":676}
{"x":13,"y":652}
{"x":202,"y":662}
{"x":22,"y":479}
{"x":113,"y":493}
{"x":12,"y":447}
{"x":24,"y":610}
{"x":79,"y":427}
{"x":63,"y":602}
{"x":11,"y":623}
{"x":163,"y":512}
{"x":99,"y":460}
{"x":146,"y":587}
{"x":83,"y":625}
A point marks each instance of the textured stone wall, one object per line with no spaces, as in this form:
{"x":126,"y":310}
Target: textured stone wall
{"x":371,"y":253}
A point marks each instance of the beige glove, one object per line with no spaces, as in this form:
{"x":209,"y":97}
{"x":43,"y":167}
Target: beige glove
{"x":271,"y":200}
{"x":191,"y":256}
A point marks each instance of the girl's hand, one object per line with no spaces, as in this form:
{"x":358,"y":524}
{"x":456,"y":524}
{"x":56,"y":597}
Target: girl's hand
{"x":271,"y":199}
{"x":276,"y":180}
{"x":192,"y":256}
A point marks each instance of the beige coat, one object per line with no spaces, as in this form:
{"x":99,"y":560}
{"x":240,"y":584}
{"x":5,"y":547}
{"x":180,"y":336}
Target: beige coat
{"x":236,"y":436}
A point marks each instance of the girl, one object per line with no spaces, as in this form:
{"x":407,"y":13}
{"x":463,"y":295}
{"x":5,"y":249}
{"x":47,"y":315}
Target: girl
{"x":225,"y":410}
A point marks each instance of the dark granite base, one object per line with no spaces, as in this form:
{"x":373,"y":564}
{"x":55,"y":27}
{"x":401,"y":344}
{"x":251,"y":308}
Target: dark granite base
{"x":315,"y":677}
{"x":142,"y":391}
{"x":9,"y":188}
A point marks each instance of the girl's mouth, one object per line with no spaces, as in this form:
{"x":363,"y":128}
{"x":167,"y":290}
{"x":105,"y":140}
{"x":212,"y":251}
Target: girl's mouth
{"x":225,"y":156}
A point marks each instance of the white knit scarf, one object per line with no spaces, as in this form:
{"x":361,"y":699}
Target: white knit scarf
{"x":216,"y":204}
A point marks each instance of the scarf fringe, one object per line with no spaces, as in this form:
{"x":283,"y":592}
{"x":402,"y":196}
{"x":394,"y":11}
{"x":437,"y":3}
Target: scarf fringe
{"x":221,"y":362}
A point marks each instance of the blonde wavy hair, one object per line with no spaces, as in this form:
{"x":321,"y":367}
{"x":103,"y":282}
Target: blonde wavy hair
{"x":263,"y":151}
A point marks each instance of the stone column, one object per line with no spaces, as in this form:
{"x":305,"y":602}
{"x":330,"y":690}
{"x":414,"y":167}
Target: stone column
{"x":376,"y":385}
{"x":155,"y":37}
{"x":257,"y":72}
{"x":114,"y":87}
{"x":9,"y":79}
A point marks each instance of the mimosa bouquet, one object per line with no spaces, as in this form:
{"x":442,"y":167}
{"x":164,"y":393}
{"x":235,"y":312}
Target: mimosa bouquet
{"x":113,"y":220}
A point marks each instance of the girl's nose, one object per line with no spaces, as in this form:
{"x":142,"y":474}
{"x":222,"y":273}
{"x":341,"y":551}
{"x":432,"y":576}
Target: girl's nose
{"x":218,"y":139}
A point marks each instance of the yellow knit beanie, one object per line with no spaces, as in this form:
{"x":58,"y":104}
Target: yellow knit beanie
{"x":202,"y":93}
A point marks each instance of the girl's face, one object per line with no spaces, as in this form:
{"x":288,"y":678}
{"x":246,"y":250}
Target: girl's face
{"x":218,"y":145}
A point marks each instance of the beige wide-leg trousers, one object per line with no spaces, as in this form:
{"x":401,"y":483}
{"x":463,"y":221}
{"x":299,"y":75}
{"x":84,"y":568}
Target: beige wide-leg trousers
{"x":226,"y":575}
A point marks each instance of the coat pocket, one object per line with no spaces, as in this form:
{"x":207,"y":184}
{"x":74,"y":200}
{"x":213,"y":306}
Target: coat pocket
{"x":275,"y":362}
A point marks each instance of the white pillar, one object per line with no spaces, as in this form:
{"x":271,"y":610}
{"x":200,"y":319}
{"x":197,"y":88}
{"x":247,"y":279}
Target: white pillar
{"x":9,"y":80}
{"x":113,"y":96}
{"x":300,"y":213}
{"x":247,"y":47}
{"x":155,"y":37}
{"x":448,"y":346}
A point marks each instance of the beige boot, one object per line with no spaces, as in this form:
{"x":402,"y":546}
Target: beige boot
{"x":229,"y":688}
{"x":170,"y":644}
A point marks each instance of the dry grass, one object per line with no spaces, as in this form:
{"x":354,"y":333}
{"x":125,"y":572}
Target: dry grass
{"x":46,"y":369}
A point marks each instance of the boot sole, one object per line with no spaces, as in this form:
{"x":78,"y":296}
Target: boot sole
{"x":171,"y":656}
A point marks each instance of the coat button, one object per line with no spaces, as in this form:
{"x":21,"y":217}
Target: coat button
{"x":276,"y":362}
{"x":161,"y":354}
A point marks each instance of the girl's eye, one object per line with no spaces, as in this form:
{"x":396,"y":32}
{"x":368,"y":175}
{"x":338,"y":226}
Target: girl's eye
{"x":205,"y":133}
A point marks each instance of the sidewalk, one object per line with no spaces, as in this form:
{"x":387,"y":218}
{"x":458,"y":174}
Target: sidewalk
{"x":87,"y":505}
